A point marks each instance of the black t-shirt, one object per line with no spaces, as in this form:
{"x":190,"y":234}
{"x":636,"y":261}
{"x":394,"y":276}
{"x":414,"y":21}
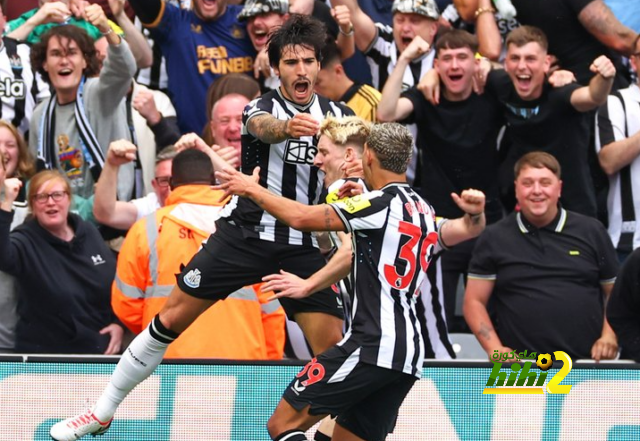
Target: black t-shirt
{"x":569,"y":41}
{"x":547,"y":294}
{"x":457,"y":144}
{"x":550,"y":124}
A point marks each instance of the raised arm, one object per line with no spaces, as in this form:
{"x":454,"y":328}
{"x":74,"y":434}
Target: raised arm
{"x":392,"y":107}
{"x":364,"y":28}
{"x":51,"y":12}
{"x":489,"y":39}
{"x":470,"y":225}
{"x":106,"y":208}
{"x":148,"y":11}
{"x":595,"y":94}
{"x":346,"y":39}
{"x":600,"y":22}
{"x":298,"y":216}
{"x":137,"y":42}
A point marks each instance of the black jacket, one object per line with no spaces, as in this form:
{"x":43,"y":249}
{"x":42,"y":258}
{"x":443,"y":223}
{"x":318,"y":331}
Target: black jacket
{"x":64,"y":288}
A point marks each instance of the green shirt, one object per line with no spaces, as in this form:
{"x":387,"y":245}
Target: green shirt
{"x":38,"y":31}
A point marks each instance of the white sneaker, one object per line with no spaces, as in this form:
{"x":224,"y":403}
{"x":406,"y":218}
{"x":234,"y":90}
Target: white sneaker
{"x":78,"y":426}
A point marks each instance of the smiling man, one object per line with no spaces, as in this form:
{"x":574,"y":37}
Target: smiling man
{"x":554,"y":120}
{"x":456,"y":140}
{"x":199,"y":44}
{"x":263,"y":16}
{"x":226,"y":121}
{"x":549,"y":271}
{"x":71,"y":130}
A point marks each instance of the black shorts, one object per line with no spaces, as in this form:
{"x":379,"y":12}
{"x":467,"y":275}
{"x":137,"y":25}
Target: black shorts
{"x":229,"y":261}
{"x":366,"y":398}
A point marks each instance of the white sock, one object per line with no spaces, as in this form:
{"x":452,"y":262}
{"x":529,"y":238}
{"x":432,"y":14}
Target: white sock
{"x":138,"y":361}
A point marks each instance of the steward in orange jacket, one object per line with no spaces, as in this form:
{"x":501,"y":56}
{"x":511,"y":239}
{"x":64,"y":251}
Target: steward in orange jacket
{"x":244,"y":326}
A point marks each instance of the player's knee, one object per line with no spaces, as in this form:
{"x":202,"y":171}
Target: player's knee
{"x":277,"y":432}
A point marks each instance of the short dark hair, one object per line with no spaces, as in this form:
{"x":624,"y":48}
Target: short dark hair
{"x":66,"y":32}
{"x":527,"y":34}
{"x":191,"y":167}
{"x":330,"y":53}
{"x":456,"y":39}
{"x":537,"y":160}
{"x":298,"y":30}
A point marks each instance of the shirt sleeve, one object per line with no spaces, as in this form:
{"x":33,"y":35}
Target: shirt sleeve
{"x":367,"y":211}
{"x":610,"y":122}
{"x":607,"y":256}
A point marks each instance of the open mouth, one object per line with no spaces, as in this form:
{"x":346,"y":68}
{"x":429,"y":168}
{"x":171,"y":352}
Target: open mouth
{"x":456,"y":77}
{"x":523,"y":81}
{"x":65,"y":72}
{"x":302,"y":88}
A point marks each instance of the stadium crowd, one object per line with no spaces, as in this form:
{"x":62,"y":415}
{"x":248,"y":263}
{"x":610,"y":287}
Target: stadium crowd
{"x":159,"y":156}
{"x":101,"y":101}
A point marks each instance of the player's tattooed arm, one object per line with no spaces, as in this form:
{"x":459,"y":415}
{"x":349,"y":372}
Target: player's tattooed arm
{"x":271,"y":130}
{"x":268,"y":129}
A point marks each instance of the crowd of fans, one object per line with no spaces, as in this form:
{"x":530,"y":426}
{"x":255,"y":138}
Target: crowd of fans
{"x":99,"y":97}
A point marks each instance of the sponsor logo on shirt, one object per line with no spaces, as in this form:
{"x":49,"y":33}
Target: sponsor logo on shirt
{"x":12,"y":88}
{"x":299,"y":152}
{"x":97,"y":260}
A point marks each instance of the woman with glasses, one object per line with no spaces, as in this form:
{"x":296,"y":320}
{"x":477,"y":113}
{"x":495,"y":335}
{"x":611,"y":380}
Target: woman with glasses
{"x":63,"y":272}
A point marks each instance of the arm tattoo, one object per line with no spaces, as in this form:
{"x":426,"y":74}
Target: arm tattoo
{"x":485,"y":331}
{"x":475,"y":219}
{"x":327,"y":217}
{"x":268,"y":129}
{"x":598,"y":19}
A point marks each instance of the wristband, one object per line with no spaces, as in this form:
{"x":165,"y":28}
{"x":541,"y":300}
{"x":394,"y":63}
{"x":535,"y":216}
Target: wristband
{"x":110,"y":31}
{"x":474,"y":216}
{"x":348,"y":34}
{"x":481,"y":11}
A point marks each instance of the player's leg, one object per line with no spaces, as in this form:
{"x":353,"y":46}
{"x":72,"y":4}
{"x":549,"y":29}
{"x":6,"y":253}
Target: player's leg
{"x":139,"y":360}
{"x":342,"y":434}
{"x":376,"y":414}
{"x":290,"y":424}
{"x":321,"y":315}
{"x":321,"y":330}
{"x":218,"y":269}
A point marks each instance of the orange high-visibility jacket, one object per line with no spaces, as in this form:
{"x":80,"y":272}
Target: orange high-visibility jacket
{"x":244,"y":326}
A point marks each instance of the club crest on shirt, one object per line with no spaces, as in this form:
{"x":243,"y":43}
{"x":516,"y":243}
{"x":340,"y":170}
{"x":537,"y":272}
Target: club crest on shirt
{"x":238,"y":32}
{"x":15,"y":62}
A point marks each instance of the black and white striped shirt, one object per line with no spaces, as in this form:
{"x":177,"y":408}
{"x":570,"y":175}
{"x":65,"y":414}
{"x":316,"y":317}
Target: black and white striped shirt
{"x":618,"y":120}
{"x":394,"y":234}
{"x":286,"y":168}
{"x":382,"y":57}
{"x":21,"y":88}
